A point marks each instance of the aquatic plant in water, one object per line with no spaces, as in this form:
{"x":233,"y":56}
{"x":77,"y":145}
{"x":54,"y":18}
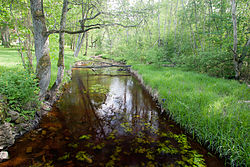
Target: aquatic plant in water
{"x":83,"y":156}
{"x":98,"y":88}
{"x":85,"y":137}
{"x":64,"y":157}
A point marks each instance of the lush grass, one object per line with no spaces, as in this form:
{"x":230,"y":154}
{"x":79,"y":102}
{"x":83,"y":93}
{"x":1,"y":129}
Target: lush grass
{"x":19,"y":90}
{"x":211,"y":109}
{"x":19,"y":87}
{"x":9,"y":57}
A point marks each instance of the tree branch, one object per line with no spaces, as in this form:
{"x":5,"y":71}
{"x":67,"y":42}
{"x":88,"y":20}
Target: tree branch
{"x":91,"y":18}
{"x":91,"y":27}
{"x":71,"y":32}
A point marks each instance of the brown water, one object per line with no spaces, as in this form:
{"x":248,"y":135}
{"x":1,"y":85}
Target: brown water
{"x":106,"y":118}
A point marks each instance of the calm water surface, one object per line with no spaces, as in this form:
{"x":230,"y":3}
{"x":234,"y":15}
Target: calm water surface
{"x":106,"y":118}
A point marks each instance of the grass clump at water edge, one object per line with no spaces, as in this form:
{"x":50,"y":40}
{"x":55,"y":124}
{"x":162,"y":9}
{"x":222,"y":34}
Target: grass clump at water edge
{"x":214,"y":110}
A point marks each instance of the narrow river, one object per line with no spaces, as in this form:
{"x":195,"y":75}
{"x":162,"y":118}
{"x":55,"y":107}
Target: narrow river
{"x":106,"y":118}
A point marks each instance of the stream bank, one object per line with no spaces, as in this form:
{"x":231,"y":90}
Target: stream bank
{"x":106,"y":118}
{"x":207,"y":108}
{"x":17,"y":127}
{"x":18,"y":124}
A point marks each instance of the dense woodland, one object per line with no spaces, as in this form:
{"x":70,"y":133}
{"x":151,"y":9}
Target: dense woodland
{"x":205,"y":36}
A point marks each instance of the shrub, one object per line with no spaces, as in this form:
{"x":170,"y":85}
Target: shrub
{"x":20,"y":89}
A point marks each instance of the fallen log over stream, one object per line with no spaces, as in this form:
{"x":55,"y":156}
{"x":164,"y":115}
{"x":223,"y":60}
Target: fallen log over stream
{"x":104,"y":66}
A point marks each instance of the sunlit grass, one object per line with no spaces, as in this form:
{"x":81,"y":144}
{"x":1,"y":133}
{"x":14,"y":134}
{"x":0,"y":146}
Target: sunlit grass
{"x":211,"y":109}
{"x":10,"y":58}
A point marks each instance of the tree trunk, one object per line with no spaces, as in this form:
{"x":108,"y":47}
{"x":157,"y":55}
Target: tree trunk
{"x":20,"y":51}
{"x":196,"y":23}
{"x":87,"y":44}
{"x":72,"y":42}
{"x":60,"y":63}
{"x":183,"y":21}
{"x":79,"y":44}
{"x":110,"y":41}
{"x":5,"y":36}
{"x":170,"y":17}
{"x":176,"y":21}
{"x":28,"y":42}
{"x":20,"y":42}
{"x":159,"y":29}
{"x":165,"y":23}
{"x":27,"y":45}
{"x":43,"y":68}
{"x":236,"y":58}
{"x":127,"y":36}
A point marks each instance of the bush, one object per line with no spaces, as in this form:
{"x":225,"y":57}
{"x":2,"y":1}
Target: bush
{"x":20,"y":89}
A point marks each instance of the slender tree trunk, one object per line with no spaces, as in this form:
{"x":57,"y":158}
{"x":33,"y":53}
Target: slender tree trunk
{"x":236,"y":58}
{"x":183,"y":19}
{"x":91,"y":41}
{"x":209,"y":28}
{"x":72,"y":42}
{"x":20,"y":42}
{"x":196,"y":23}
{"x":165,"y":24}
{"x":176,"y":20}
{"x":204,"y":27}
{"x":127,"y":36}
{"x":28,"y":42}
{"x":5,"y":36}
{"x":109,"y":38}
{"x":159,"y":28}
{"x":60,"y":63}
{"x":43,"y":68}
{"x":87,"y":44}
{"x":79,"y":44}
{"x":194,"y":38}
{"x":29,"y":52}
{"x":170,"y":17}
{"x":215,"y":22}
{"x":20,"y":51}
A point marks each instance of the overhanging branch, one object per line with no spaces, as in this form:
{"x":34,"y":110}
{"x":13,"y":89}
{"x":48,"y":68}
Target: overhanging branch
{"x":91,"y":27}
{"x":71,"y":32}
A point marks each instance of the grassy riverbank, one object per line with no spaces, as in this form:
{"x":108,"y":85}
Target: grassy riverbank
{"x":18,"y":87}
{"x":213,"y":110}
{"x":9,"y":58}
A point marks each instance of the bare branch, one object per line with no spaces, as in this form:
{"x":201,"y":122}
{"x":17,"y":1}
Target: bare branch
{"x":91,"y":27}
{"x":91,"y":18}
{"x":71,"y":32}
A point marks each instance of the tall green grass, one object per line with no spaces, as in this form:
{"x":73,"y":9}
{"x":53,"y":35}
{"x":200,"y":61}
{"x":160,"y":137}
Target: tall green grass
{"x":10,"y":58}
{"x":19,"y":86}
{"x":213,"y":110}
